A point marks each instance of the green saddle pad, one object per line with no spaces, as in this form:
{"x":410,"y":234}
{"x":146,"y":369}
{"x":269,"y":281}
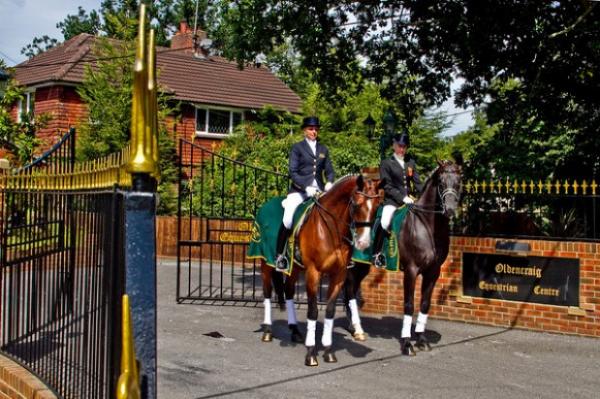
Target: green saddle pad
{"x":263,"y":244}
{"x":390,"y":245}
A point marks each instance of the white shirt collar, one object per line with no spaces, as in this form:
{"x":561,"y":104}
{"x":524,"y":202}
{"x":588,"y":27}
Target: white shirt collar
{"x":312,"y":144}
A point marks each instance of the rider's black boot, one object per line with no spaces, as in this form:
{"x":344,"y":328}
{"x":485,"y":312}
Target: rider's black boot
{"x":378,"y":258}
{"x":281,"y":261}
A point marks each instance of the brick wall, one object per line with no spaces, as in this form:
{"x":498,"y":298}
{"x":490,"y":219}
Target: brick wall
{"x":383,"y":293}
{"x":17,"y":382}
{"x":65,"y":108}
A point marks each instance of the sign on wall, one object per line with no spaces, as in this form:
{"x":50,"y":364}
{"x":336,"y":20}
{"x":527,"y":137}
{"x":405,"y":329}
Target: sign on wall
{"x":553,"y":281}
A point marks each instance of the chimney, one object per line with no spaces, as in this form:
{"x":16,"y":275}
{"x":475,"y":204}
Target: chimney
{"x":184,"y":39}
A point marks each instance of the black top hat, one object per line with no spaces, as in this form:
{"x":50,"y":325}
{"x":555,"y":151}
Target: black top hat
{"x":401,"y":139}
{"x":310,"y":121}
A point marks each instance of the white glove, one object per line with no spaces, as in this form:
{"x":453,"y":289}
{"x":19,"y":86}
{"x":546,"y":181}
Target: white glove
{"x":328,"y":186}
{"x":311,"y":191}
{"x":407,"y":200}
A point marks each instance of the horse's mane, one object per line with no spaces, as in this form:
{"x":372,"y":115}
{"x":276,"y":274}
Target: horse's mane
{"x":343,"y":179}
{"x":339,"y":181}
{"x":434,"y":173}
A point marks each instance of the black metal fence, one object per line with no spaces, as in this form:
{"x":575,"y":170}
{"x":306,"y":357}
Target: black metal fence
{"x":61,"y":278}
{"x":550,"y":210}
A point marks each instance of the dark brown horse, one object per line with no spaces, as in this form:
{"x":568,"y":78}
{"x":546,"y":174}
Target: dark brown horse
{"x":325,"y":241}
{"x":423,"y":246}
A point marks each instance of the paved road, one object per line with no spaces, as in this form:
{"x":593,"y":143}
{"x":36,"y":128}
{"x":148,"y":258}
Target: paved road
{"x":468,"y":361}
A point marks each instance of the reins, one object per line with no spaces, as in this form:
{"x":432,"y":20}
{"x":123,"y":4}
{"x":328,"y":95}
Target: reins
{"x":353,"y":223}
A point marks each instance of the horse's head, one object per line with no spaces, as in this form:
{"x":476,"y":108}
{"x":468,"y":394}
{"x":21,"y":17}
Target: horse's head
{"x":365,"y":201}
{"x":450,"y":186}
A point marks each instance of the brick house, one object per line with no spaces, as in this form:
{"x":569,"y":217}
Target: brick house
{"x":215,"y":94}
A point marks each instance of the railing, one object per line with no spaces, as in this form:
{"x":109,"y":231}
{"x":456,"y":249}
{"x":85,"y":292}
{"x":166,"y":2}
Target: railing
{"x":541,"y":209}
{"x":60,"y":280}
{"x":218,"y":198}
{"x":63,"y":257}
{"x":61,"y":270}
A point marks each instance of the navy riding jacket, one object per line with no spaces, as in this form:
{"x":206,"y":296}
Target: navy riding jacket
{"x":397,"y":180}
{"x":305,"y":167}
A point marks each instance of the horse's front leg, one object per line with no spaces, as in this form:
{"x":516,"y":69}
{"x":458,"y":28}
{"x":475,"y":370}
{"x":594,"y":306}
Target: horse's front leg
{"x":410,"y":277}
{"x":336,"y":282}
{"x":266,"y":275}
{"x":290,"y":291}
{"x":351,"y":288}
{"x":427,"y":285}
{"x":312,"y":282}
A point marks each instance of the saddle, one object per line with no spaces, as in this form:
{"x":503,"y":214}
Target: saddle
{"x":390,"y":244}
{"x":263,"y":241}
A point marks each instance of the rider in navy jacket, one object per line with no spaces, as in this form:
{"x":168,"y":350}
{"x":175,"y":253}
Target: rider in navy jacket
{"x":305,"y":167}
{"x":401,"y":184}
{"x":311,"y":171}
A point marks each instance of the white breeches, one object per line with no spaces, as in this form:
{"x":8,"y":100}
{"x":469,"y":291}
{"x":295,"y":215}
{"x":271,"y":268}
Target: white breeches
{"x":386,"y":216}
{"x":289,"y":207}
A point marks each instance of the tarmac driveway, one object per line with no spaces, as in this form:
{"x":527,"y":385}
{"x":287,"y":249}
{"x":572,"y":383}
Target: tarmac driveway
{"x":213,"y":350}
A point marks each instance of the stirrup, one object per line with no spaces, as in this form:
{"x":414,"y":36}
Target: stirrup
{"x":281,"y":263}
{"x":379,"y":260}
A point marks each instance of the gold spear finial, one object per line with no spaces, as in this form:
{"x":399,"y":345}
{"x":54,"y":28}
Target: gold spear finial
{"x":143,"y":105}
{"x":128,"y":386}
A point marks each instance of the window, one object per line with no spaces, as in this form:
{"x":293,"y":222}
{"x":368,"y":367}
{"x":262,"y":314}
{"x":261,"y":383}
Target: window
{"x":217,"y":122}
{"x":26,"y":106}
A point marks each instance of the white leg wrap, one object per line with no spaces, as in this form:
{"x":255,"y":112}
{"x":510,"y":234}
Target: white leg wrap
{"x":354,"y":311}
{"x":327,"y":332}
{"x":406,"y":325}
{"x":311,"y":328}
{"x":291,"y":311}
{"x":267,"y":306}
{"x":421,"y":322}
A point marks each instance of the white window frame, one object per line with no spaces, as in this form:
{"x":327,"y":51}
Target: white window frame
{"x":29,"y":95}
{"x":205,"y":109}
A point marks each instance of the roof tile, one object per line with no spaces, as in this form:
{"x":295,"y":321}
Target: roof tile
{"x":212,"y":80}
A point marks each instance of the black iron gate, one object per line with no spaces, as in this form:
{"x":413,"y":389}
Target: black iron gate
{"x":218,"y":198}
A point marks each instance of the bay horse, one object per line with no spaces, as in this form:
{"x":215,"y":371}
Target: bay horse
{"x":325,"y":242}
{"x":423,"y":244}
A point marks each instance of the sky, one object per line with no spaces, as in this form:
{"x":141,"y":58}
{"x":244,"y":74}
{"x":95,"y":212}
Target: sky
{"x":22,"y":20}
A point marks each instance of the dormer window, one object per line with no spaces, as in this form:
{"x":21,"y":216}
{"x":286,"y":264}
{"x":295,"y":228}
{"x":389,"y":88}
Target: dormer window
{"x":217,"y":121}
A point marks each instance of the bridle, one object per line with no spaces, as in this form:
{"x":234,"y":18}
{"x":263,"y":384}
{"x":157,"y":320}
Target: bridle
{"x":442,"y":194}
{"x":354,"y":224}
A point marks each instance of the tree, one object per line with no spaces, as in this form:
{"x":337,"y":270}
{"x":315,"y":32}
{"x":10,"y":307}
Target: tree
{"x":38,"y":45}
{"x":416,"y":48}
{"x":115,"y":17}
{"x":18,"y":138}
{"x":266,"y":142}
{"x":107,"y":93}
{"x":534,"y":62}
{"x":332,"y":40}
{"x":83,"y":22}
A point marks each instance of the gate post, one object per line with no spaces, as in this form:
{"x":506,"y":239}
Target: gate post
{"x":140,"y":210}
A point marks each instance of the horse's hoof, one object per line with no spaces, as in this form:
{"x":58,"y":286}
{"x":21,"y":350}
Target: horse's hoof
{"x":407,"y":348}
{"x":296,"y":334}
{"x":311,"y":361}
{"x":281,"y":306}
{"x":360,"y":336}
{"x":329,"y":357}
{"x":267,"y":337}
